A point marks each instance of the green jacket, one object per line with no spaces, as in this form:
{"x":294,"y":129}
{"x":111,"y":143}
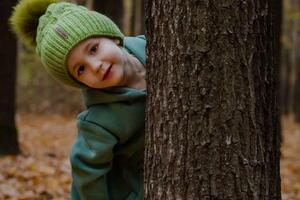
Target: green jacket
{"x":107,"y":156}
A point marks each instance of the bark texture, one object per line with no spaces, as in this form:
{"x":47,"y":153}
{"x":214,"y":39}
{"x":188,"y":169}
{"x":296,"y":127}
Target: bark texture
{"x":8,"y":131}
{"x":212,"y":128}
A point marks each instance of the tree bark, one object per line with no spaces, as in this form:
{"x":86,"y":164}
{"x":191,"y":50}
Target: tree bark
{"x":212,"y":122}
{"x":8,"y":131}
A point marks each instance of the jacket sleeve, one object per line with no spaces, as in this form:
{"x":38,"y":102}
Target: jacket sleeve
{"x":91,"y":159}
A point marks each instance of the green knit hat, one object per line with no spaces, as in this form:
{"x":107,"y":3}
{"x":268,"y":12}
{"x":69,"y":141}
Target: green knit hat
{"x":60,"y":27}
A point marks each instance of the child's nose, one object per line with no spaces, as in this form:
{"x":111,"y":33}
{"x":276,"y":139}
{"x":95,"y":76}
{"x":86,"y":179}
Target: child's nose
{"x":95,"y":65}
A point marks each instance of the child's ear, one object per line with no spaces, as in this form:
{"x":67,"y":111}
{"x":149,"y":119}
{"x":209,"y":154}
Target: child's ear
{"x":116,"y":41}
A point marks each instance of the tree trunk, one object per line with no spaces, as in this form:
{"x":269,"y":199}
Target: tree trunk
{"x":277,"y":32}
{"x":112,"y":9}
{"x":212,"y":127}
{"x":8,"y":131}
{"x":142,"y":20}
{"x":297,"y":94}
{"x":80,"y":2}
{"x":285,"y":74}
{"x":133,"y":17}
{"x":137,"y":17}
{"x":295,"y":59}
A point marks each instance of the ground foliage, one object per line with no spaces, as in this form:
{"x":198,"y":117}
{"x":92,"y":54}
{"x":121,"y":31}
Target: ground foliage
{"x":42,"y":171}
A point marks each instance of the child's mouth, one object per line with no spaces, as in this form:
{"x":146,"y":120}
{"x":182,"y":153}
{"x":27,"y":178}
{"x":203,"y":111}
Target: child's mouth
{"x":106,"y":73}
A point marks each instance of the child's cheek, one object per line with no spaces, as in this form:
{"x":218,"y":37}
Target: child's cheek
{"x":117,"y":57}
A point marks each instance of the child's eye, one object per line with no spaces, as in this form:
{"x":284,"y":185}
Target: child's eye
{"x":94,"y":48}
{"x":80,"y":70}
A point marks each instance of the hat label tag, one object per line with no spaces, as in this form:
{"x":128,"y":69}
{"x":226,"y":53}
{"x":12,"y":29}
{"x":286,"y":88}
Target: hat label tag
{"x":61,"y":32}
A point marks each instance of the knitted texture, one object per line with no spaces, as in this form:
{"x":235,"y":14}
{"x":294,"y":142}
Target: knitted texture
{"x":62,"y":27}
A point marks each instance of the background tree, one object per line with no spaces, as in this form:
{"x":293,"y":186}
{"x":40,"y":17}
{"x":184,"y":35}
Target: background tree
{"x":212,"y":127}
{"x":8,"y":130}
{"x":290,"y":71}
{"x":137,"y":21}
{"x":111,"y":8}
{"x":294,"y":95}
{"x":118,"y":10}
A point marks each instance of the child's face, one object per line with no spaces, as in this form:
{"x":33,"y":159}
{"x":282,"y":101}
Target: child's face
{"x":97,"y":62}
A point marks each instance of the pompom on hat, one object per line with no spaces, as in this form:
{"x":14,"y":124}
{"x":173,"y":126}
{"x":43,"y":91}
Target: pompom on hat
{"x":55,"y":28}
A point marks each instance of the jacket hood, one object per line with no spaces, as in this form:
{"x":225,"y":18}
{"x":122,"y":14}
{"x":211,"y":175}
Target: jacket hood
{"x":135,"y":46}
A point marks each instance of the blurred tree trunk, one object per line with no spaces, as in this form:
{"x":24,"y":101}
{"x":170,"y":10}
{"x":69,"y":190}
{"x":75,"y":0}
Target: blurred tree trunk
{"x":137,"y":17}
{"x":8,"y":131}
{"x":142,"y":17}
{"x":297,"y":92}
{"x":290,"y":72}
{"x":295,"y":59}
{"x":80,"y":2}
{"x":285,"y":74}
{"x":112,"y":9}
{"x":287,"y":70}
{"x":212,"y":123}
{"x":277,"y":30}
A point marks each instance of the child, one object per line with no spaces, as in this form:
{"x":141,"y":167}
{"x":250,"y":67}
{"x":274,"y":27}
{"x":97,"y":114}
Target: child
{"x":85,"y":49}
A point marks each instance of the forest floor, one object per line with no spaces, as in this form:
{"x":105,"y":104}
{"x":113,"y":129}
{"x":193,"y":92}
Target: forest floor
{"x":42,"y":171}
{"x":290,"y":160}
